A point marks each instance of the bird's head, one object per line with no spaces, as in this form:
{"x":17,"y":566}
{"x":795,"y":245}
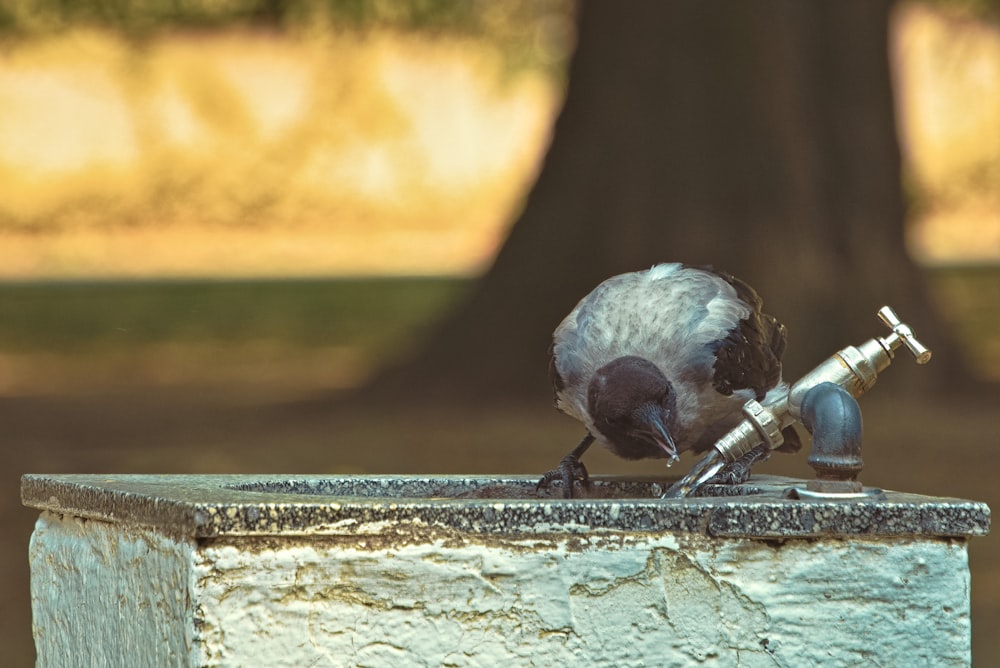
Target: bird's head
{"x":633,"y":405}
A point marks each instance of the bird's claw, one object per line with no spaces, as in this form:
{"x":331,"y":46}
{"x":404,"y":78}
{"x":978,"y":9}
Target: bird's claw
{"x":570,"y":470}
{"x":738,"y":472}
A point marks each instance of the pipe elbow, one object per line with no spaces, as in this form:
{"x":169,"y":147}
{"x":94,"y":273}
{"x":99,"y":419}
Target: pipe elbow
{"x":833,"y":417}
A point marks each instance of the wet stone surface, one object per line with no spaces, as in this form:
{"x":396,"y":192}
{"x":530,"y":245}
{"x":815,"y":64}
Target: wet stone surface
{"x":203,"y":506}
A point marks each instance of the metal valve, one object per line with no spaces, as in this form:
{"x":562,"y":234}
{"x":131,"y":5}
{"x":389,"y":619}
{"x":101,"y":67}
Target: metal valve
{"x":855,"y":368}
{"x":902,"y":334}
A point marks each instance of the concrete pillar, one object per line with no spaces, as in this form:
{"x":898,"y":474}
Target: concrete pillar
{"x":454,"y":571}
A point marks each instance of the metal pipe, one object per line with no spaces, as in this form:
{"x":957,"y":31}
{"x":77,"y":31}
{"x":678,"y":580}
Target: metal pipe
{"x":833,"y":417}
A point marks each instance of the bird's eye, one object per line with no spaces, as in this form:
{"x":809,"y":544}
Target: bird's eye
{"x":669,"y":401}
{"x":614,"y":420}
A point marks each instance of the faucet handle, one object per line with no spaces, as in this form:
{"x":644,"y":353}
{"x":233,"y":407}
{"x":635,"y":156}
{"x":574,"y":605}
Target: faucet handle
{"x":902,"y":335}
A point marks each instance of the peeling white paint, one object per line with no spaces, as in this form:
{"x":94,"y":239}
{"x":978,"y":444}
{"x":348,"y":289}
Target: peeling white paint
{"x":615,"y":600}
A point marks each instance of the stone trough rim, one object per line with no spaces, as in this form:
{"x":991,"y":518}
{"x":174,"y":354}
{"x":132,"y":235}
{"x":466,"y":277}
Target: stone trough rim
{"x":211,"y":506}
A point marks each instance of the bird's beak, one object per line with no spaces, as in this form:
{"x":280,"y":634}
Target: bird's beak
{"x":663,"y":439}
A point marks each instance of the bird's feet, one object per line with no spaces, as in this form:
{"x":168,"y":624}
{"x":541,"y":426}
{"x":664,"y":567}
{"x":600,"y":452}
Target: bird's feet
{"x":570,"y":471}
{"x":738,"y":472}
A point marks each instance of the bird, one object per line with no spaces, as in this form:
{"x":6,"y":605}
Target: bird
{"x":658,"y":362}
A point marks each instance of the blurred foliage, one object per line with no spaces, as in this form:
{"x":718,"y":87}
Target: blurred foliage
{"x":947,"y":69}
{"x":329,"y":115}
{"x":988,"y":10}
{"x":530,"y":32}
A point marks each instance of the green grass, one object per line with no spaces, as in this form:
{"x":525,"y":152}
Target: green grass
{"x":95,"y":318}
{"x":81,"y":317}
{"x":375,"y":317}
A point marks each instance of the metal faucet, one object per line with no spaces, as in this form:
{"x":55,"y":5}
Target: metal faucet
{"x":854,"y":369}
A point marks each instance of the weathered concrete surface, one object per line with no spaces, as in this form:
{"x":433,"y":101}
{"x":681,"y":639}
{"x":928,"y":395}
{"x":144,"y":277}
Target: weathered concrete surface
{"x":665,"y":600}
{"x":456,"y":571}
{"x":109,"y":595}
{"x":103,"y":596}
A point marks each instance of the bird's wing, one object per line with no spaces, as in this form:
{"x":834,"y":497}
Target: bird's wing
{"x":749,"y":356}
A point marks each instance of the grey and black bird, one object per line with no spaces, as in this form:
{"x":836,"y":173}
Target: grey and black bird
{"x":658,"y":362}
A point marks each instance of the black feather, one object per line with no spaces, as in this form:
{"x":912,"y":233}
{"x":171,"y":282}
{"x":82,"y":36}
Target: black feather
{"x":750,"y":356}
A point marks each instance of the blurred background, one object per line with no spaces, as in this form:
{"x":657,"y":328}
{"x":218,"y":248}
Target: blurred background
{"x":334,"y":237}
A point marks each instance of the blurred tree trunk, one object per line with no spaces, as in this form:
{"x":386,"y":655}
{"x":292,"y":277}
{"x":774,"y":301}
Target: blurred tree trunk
{"x":756,"y":137}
